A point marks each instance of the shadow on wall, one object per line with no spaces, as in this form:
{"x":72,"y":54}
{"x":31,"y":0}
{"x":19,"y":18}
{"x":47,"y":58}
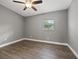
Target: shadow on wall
{"x":5,"y":33}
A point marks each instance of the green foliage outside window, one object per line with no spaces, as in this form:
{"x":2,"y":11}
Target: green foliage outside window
{"x":49,"y":24}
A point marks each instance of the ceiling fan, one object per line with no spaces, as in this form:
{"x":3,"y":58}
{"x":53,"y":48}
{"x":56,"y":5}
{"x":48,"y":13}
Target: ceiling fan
{"x":29,"y":3}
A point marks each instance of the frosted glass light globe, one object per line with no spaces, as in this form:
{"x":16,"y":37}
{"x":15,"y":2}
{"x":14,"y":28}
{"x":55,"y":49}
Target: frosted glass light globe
{"x":28,"y":5}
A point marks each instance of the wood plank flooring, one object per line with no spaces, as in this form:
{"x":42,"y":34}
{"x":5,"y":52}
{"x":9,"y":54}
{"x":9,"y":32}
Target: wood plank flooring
{"x":35,"y":50}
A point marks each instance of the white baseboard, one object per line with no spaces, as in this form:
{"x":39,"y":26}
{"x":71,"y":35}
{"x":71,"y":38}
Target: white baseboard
{"x":57,"y":43}
{"x":74,"y":52}
{"x":9,"y":43}
{"x":51,"y":42}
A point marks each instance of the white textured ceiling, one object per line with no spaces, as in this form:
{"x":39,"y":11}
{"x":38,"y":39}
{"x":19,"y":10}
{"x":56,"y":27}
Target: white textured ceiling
{"x":46,"y":6}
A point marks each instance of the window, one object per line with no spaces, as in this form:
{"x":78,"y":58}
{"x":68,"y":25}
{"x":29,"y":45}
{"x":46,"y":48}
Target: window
{"x":49,"y":25}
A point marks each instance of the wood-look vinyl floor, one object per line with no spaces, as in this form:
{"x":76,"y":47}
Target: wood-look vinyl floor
{"x":35,"y":50}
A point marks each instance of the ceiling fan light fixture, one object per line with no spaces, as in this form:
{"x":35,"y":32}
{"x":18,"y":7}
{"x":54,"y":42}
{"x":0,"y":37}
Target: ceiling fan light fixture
{"x":28,"y":5}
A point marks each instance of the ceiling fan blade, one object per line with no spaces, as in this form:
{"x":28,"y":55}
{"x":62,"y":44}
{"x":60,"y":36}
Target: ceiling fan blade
{"x":37,"y":2}
{"x":34,"y":8}
{"x":18,"y":2}
{"x":25,"y":8}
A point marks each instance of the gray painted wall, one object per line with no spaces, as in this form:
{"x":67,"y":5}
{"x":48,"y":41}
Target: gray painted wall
{"x":73,"y":25}
{"x":34,"y":29}
{"x":11,"y":25}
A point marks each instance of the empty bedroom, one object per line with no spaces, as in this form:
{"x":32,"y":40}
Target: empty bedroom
{"x":38,"y":29}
